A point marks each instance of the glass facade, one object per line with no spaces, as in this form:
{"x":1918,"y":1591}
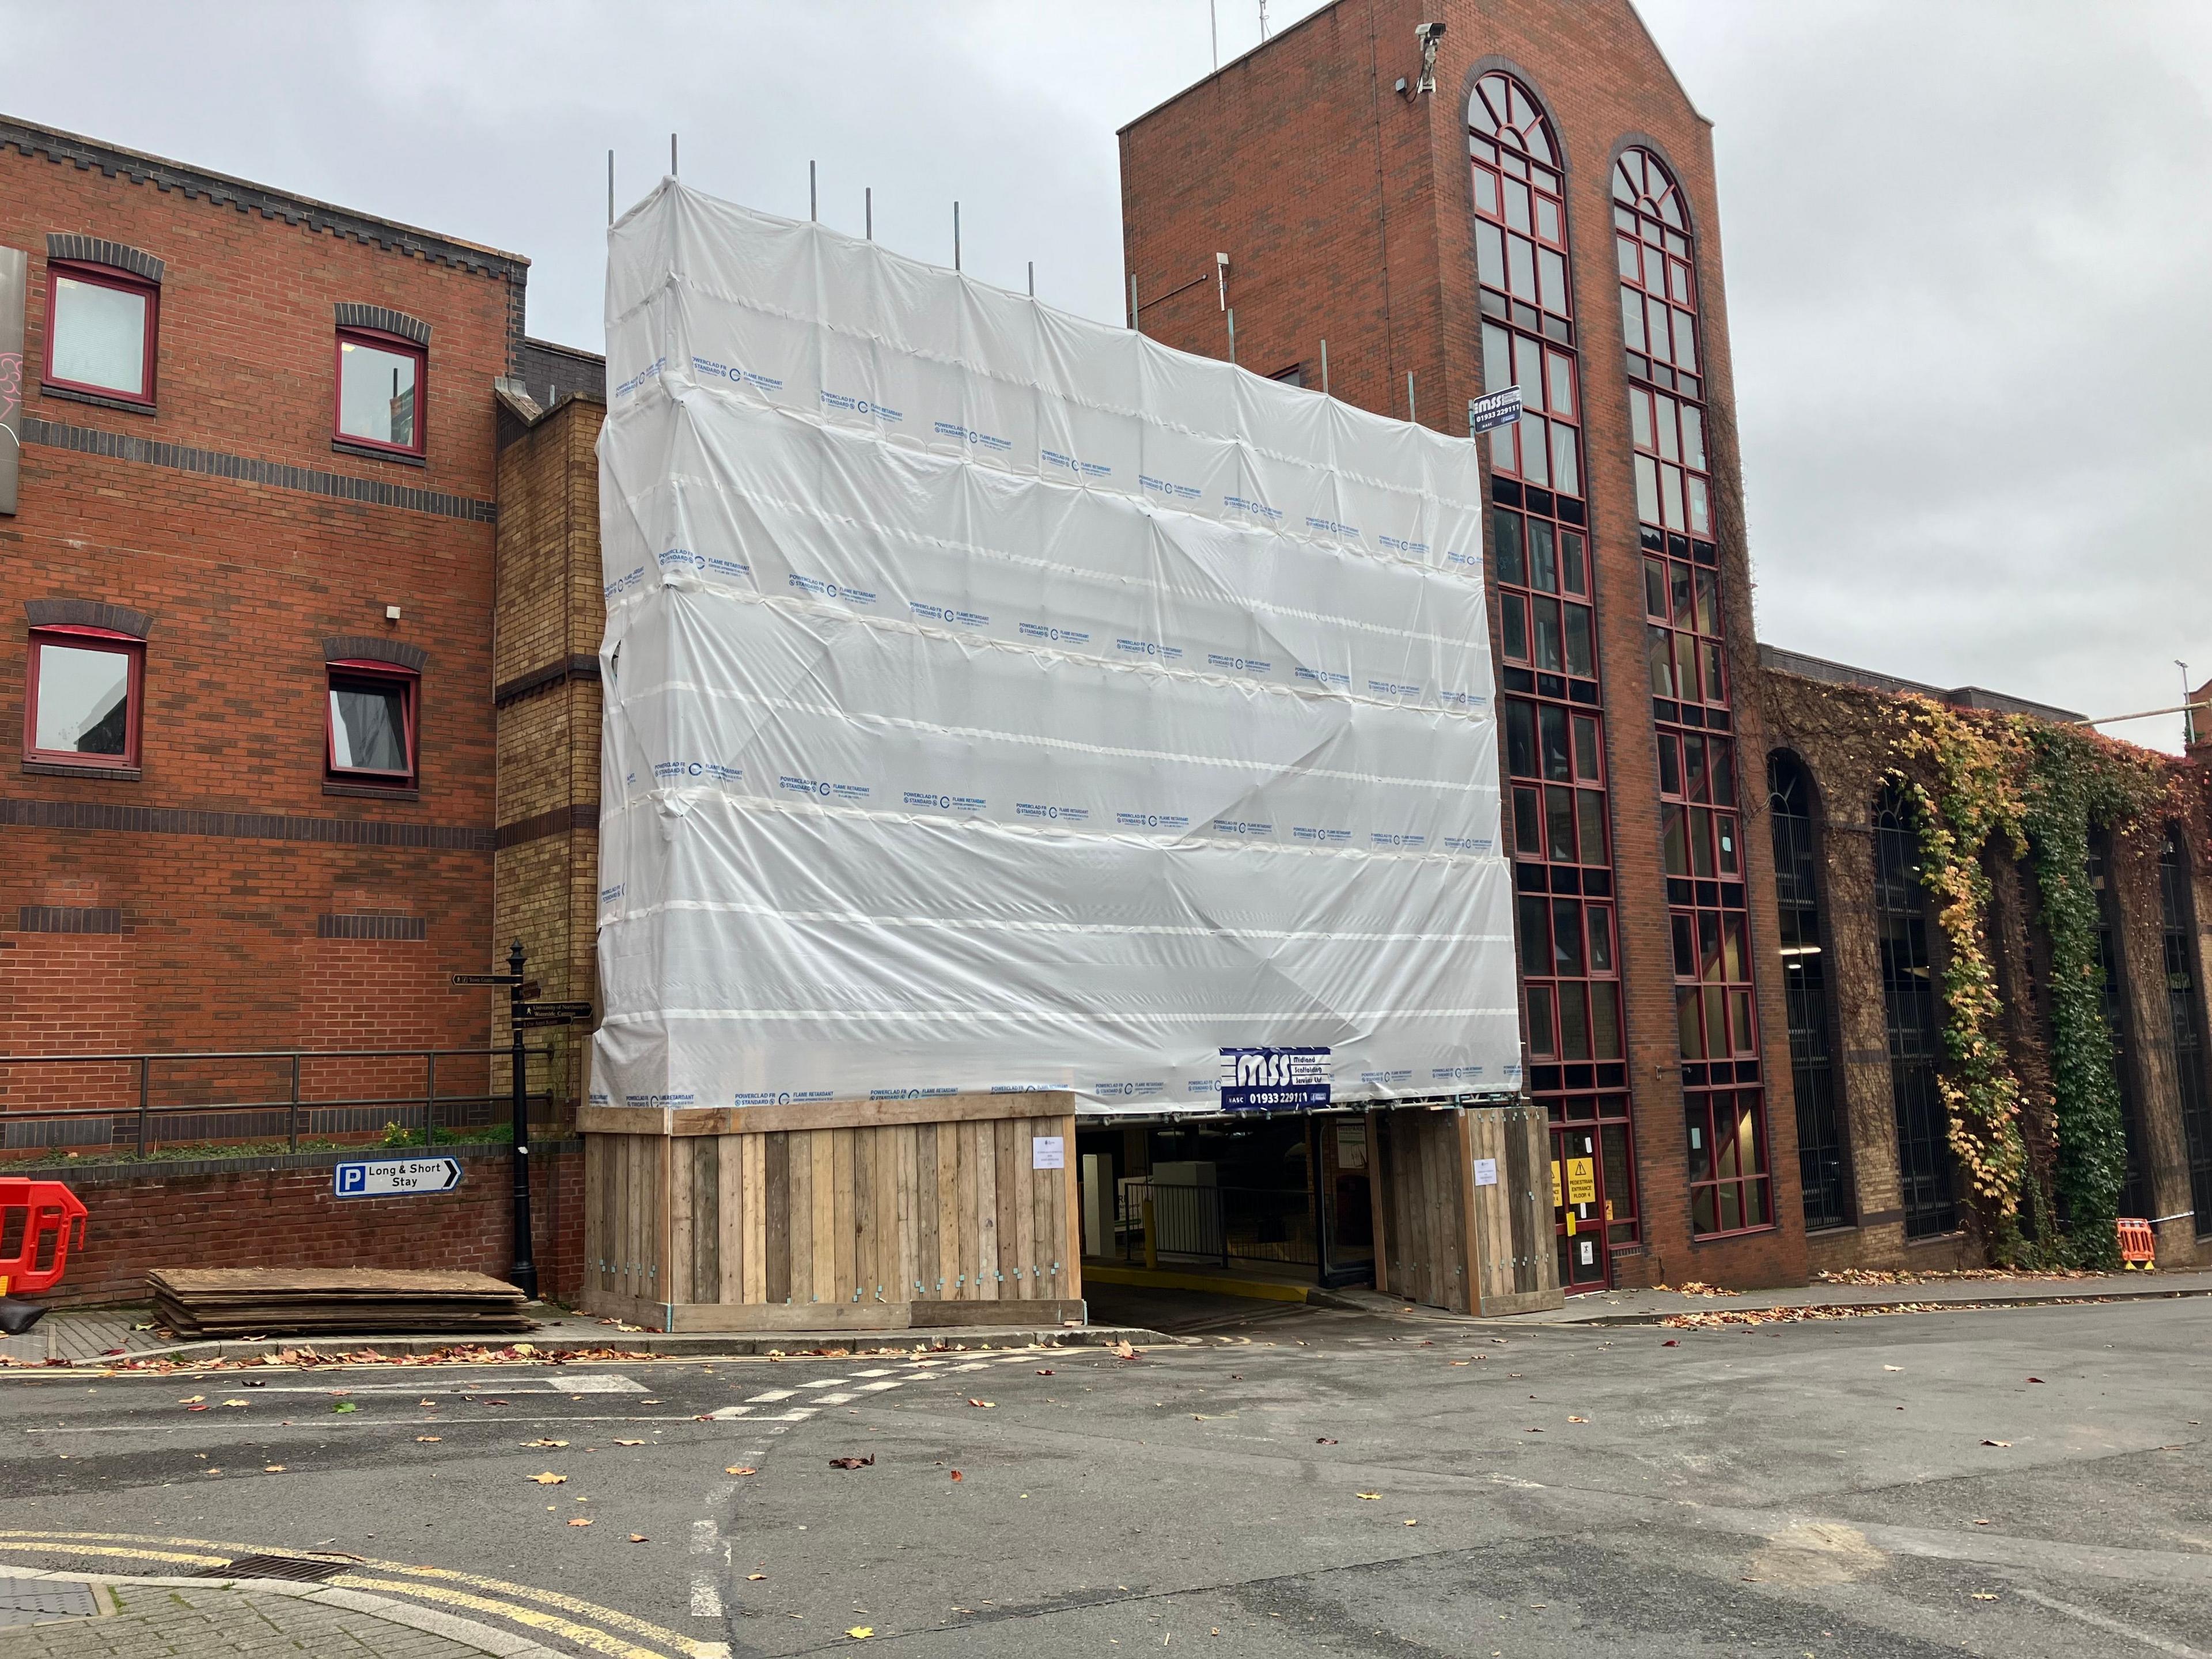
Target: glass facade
{"x":1915,"y":1037}
{"x":2185,"y":1005}
{"x":1823,"y":1176}
{"x":1557,"y":820}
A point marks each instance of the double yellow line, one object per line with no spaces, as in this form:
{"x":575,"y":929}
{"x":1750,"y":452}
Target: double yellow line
{"x":591,"y":1627}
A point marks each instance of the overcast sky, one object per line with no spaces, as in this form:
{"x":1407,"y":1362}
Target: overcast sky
{"x":1966,"y":243}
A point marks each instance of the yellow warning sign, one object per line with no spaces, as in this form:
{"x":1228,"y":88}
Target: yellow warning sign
{"x":1571,"y":1223}
{"x":1556,"y":1200}
{"x":1582,"y":1181}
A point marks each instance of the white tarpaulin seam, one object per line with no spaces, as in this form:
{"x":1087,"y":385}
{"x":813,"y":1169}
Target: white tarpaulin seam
{"x":1023,"y":925}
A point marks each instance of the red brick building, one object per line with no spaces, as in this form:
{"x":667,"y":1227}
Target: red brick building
{"x":1411,"y":205}
{"x":249,"y":585}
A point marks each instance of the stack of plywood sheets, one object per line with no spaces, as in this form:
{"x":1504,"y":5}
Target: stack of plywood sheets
{"x":330,"y":1301}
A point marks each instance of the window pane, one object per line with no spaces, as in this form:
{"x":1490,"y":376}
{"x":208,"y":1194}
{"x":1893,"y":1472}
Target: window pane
{"x":1670,"y":498}
{"x":1552,"y":269}
{"x":84,"y":701}
{"x":1735,"y":951}
{"x":1539,"y":1020}
{"x":1639,"y":417}
{"x":1740,"y":1001}
{"x":1528,"y":823}
{"x":1660,"y":649}
{"x":1501,"y":450}
{"x":1580,"y":658}
{"x":1547,"y":219}
{"x":1490,"y":252}
{"x":1543,"y":567}
{"x":1693,"y":436}
{"x":1570,"y":562}
{"x":376,"y":394}
{"x":1562,"y":368}
{"x":1667,"y":432}
{"x":1516,"y":204}
{"x":1497,"y":358}
{"x":1600,"y":938}
{"x":1505,"y":532}
{"x":1554,"y":729}
{"x":1550,"y":654}
{"x":1686,"y":667}
{"x":1708,"y":602}
{"x":1689,"y":1035}
{"x":1513,"y":625}
{"x":1528,"y":370}
{"x":1586,"y":748}
{"x":1655,"y":327}
{"x":1670,"y":765}
{"x":369,"y":727}
{"x":1605,"y":1020}
{"x":1485,"y":192}
{"x":1724,"y":833}
{"x":1713,"y":690}
{"x":1655,"y":589}
{"x":1647,"y":489}
{"x":1520,"y":264}
{"x":1701,"y":842}
{"x":1693,"y":767}
{"x":99,"y":336}
{"x":1680,"y":581}
{"x":1675,"y":840}
{"x":1574,"y":1022}
{"x":1684,"y":930}
{"x":1520,"y":739}
{"x":1701,"y":512}
{"x":1625,"y":257}
{"x":1709,"y":945}
{"x":1559,"y":818}
{"x":1722,"y":754}
{"x":1685,"y":341}
{"x":1631,"y":314}
{"x":1590,"y":810}
{"x":1567,"y":936}
{"x":1533,"y":466}
{"x":1566,"y":461}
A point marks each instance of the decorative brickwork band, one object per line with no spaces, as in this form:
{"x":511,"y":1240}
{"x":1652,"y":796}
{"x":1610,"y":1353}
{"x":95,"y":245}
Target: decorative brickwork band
{"x":93,"y":251}
{"x":368,"y":647}
{"x":559,"y":821}
{"x":67,"y":919}
{"x":370,"y":925}
{"x":87,"y":613}
{"x":385,"y":320}
{"x":577,"y":667}
{"x":242,"y":826}
{"x":53,"y":435}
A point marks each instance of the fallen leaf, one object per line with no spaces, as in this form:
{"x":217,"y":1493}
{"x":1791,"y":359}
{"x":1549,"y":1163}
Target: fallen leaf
{"x":1983,"y":1595}
{"x":549,"y":1478}
{"x":264,"y":1385}
{"x":630,"y":1443}
{"x":1670,"y":1343}
{"x":273,"y":1468}
{"x":343,"y":1406}
{"x":1893,"y":1368}
{"x":986,"y":1404}
{"x":427,"y":1439}
{"x":955,"y":1474}
{"x":755,"y":1577}
{"x":1996,"y":1443}
{"x":580,"y":1520}
{"x":1323,"y":1440}
{"x":1412,"y":1523}
{"x":639,"y":1538}
{"x":527,"y":1444}
{"x":1122,"y":1350}
{"x":852,"y":1462}
{"x":1457,"y":1362}
{"x":1979,"y":1522}
{"x":233,"y":1402}
{"x":1532,"y":1430}
{"x":1369,"y":1496}
{"x":191,"y":1400}
{"x":739,"y":1468}
{"x":1578,"y":1420}
{"x":861,"y":1632}
{"x":1048,"y":1373}
{"x":196,"y":1408}
{"x":2035,"y":1379}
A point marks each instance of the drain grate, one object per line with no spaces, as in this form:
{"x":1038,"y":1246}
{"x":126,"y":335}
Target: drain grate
{"x":298,"y":1569}
{"x":37,"y":1600}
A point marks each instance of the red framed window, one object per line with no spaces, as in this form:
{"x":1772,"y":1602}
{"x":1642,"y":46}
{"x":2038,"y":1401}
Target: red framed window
{"x":370,"y":732}
{"x":382,"y":386}
{"x":82,"y":694}
{"x":102,"y":328}
{"x":1539,"y":569}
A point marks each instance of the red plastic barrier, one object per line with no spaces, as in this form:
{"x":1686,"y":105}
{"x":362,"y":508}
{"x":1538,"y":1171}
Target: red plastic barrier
{"x":2138,"y":1247}
{"x":31,"y":1213}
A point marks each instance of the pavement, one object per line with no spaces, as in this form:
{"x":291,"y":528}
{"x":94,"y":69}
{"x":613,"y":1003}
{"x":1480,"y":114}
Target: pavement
{"x":1312,"y":1480}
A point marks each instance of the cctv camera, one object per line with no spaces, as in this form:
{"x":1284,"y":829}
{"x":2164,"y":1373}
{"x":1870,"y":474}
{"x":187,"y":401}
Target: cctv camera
{"x":1425,"y":32}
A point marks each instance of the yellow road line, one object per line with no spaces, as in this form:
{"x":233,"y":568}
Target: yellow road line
{"x":681,"y":1644}
{"x":597,"y":1641}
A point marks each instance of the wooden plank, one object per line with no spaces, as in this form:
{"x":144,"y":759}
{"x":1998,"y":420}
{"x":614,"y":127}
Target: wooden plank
{"x":802,"y":1217}
{"x":822,"y":1189}
{"x":815,"y":1115}
{"x":986,"y":1209}
{"x":1380,"y":1196}
{"x":732,"y":1216}
{"x":906,"y":1267}
{"x":775,"y":1218}
{"x":1469,"y":1224}
{"x":672,"y":1227}
{"x":752,"y":1150}
{"x":865,"y":1201}
{"x":1038,"y":1251}
{"x":1013,"y":1184}
{"x":1069,"y":1230}
{"x":928,"y":1205}
{"x":968,"y":1246}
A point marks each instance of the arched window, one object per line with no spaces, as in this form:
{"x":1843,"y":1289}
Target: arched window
{"x":1691,"y":696}
{"x":2186,"y":1004}
{"x":1823,"y":1174}
{"x":1540,"y":572}
{"x":1916,"y":1038}
{"x":2135,"y":1197}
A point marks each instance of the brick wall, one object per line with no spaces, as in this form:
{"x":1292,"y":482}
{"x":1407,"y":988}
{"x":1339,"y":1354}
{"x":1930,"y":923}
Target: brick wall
{"x":281,"y":1214}
{"x":1346,"y":211}
{"x":255,"y":904}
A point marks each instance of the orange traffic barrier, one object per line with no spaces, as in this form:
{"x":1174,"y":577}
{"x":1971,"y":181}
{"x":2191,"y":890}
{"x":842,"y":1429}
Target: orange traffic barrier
{"x":2137,"y":1248}
{"x":40,"y":1222}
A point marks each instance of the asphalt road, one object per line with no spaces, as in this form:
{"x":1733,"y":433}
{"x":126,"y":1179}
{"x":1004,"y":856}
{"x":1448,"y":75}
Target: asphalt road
{"x":1788,"y":1490}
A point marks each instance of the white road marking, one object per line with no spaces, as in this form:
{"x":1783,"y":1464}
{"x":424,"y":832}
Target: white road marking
{"x":823,"y":1382}
{"x":706,"y":1598}
{"x":772,"y":1394}
{"x":878,"y":1388}
{"x":2112,"y":1627}
{"x":834,"y":1399}
{"x":883,"y":1370}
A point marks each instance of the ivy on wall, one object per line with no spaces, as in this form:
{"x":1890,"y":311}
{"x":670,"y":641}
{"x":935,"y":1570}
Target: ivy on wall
{"x":2022,"y":787}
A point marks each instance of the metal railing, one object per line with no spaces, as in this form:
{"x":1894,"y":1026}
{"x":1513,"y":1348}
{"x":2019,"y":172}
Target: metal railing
{"x":1216,"y":1224}
{"x":142,"y":1090}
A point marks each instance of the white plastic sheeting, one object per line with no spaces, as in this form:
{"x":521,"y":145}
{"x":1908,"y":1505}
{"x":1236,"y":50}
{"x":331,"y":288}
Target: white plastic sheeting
{"x":997,"y":700}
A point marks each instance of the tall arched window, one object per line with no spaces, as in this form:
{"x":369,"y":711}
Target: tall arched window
{"x":2134,"y":1198}
{"x":1916,"y":1038}
{"x":2184,"y":1002}
{"x":1822,"y":1174}
{"x":1724,"y":1100}
{"x":1555,"y":748}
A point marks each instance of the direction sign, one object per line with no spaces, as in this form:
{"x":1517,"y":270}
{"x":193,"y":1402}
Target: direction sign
{"x":487,"y":979}
{"x":396,"y":1178}
{"x":549,"y":1012}
{"x":1488,"y":413}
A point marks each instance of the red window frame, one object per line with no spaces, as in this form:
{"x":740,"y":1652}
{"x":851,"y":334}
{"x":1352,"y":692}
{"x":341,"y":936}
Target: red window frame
{"x":410,"y":683}
{"x":104,"y":276}
{"x":399,"y":345}
{"x":85,"y":638}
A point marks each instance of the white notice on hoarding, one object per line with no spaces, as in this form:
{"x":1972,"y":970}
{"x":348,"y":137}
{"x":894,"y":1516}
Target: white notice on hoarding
{"x":1486,"y":1172}
{"x":1048,"y":1153}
